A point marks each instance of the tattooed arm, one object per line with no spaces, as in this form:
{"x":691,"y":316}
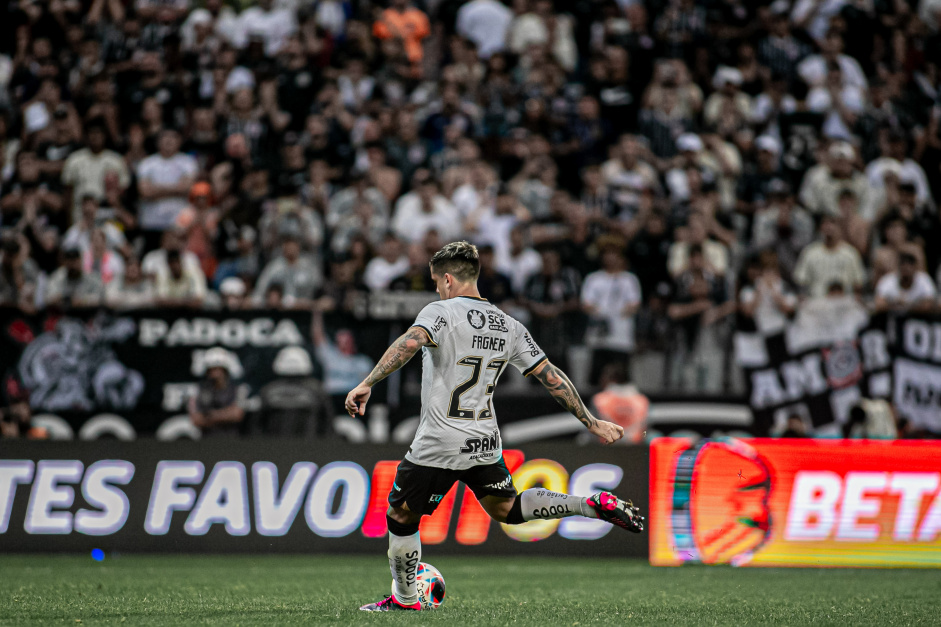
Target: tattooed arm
{"x":563,"y":391}
{"x":394,"y":358}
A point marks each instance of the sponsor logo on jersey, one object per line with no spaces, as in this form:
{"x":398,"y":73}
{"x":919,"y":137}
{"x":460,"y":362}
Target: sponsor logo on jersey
{"x":436,"y":498}
{"x":476,"y":319}
{"x":488,"y":343}
{"x":533,"y":349}
{"x":497,"y":321}
{"x":486,"y":444}
{"x":440,"y":322}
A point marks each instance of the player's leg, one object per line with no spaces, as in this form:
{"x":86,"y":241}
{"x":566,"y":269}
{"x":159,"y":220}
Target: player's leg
{"x":404,"y":553}
{"x":411,"y":497}
{"x":493,"y":486}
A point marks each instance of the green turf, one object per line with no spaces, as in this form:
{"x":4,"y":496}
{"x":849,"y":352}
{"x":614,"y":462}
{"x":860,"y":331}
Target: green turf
{"x":271,"y":590}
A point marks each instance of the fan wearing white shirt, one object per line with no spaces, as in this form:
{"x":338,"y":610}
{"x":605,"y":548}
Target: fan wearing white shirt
{"x":611,"y":297}
{"x":164,"y":181}
{"x":906,"y":289}
{"x":272,"y":24}
{"x":425,"y":209}
{"x":814,"y":68}
{"x":390,"y":263}
{"x":485,"y":22}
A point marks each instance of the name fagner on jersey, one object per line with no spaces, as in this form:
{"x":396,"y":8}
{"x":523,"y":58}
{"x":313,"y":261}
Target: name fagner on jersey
{"x":472,"y":342}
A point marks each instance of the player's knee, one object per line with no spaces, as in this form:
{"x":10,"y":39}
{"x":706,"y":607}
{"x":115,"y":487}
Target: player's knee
{"x":508,"y":512}
{"x":402,"y":522}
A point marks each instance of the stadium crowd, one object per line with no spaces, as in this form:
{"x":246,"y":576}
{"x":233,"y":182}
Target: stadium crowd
{"x":638,"y":174}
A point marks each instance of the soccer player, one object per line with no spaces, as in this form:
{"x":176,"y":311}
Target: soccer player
{"x":466,"y":343}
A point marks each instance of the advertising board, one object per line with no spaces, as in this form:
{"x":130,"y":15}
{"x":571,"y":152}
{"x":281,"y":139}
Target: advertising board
{"x":795,"y":502}
{"x":283,"y":496}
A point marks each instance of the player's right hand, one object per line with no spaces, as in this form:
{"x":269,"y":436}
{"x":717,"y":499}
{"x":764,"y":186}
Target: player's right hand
{"x":607,"y":431}
{"x":356,"y":400}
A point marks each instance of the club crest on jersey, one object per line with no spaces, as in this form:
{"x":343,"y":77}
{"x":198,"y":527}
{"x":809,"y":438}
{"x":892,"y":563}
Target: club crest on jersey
{"x":476,"y":319}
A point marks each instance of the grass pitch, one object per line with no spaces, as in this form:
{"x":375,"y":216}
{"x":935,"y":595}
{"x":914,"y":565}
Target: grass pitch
{"x":276,"y":590}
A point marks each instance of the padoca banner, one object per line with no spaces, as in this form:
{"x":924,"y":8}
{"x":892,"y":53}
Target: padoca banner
{"x":285,"y":497}
{"x":141,"y":367}
{"x":795,"y":503}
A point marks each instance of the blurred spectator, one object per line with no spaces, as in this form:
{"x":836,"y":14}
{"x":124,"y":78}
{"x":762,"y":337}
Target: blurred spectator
{"x":871,"y":419}
{"x":342,"y":291}
{"x":154,"y":264}
{"x":71,"y":286}
{"x":164,"y":180}
{"x":783,"y":227}
{"x":699,"y":301}
{"x":485,"y":22}
{"x":828,"y":262}
{"x":19,"y":276}
{"x":425,"y":209}
{"x":823,"y":183}
{"x":99,"y":260}
{"x":217,"y":410}
{"x":295,"y":272}
{"x":493,"y":285}
{"x":200,"y":221}
{"x":131,"y":290}
{"x":552,"y":298}
{"x":79,"y":234}
{"x":267,"y":23}
{"x":344,"y":203}
{"x":757,"y":176}
{"x":780,"y":51}
{"x":85,"y":171}
{"x":233,"y":294}
{"x":390,"y":263}
{"x":610,"y":298}
{"x":540,"y":26}
{"x":16,"y":415}
{"x":715,"y":253}
{"x":180,"y":286}
{"x":621,"y":403}
{"x":344,"y":367}
{"x":816,"y":67}
{"x":796,"y":427}
{"x":417,"y":278}
{"x":520,"y":262}
{"x":407,"y":26}
{"x":244,"y":261}
{"x":627,"y":175}
{"x":906,"y":289}
{"x":766,"y":297}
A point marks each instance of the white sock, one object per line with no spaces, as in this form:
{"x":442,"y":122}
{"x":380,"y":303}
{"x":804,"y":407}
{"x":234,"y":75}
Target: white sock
{"x":404,"y":556}
{"x":539,"y":503}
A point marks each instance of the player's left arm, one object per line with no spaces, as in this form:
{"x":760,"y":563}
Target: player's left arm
{"x":396,"y":356}
{"x":563,"y":391}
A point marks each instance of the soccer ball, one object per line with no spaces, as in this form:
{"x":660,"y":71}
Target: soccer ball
{"x":430,"y":586}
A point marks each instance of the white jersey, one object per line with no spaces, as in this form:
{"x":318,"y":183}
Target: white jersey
{"x":472,"y":342}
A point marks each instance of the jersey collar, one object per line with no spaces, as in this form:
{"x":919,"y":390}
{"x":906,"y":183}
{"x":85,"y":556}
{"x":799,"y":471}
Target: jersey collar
{"x":474,"y":298}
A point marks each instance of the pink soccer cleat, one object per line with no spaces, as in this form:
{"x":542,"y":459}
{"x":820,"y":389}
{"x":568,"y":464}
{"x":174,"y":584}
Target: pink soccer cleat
{"x":617,"y":512}
{"x":390,"y":604}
